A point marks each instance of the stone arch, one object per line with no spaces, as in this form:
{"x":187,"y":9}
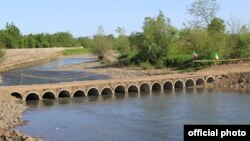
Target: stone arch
{"x":107,"y":91}
{"x":189,"y":83}
{"x":78,"y":93}
{"x":199,"y":81}
{"x":179,"y":84}
{"x":145,"y":87}
{"x":32,"y":96}
{"x":156,"y":86}
{"x":63,"y":94}
{"x":120,"y":89}
{"x":210,"y":79}
{"x":49,"y":95}
{"x":17,"y":95}
{"x":168,"y":85}
{"x":93,"y":91}
{"x":133,"y":88}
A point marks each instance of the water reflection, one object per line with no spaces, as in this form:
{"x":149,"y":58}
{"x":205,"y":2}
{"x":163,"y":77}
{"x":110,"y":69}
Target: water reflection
{"x":118,"y":96}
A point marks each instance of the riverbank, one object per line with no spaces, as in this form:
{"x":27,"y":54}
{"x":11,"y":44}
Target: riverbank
{"x":230,"y":71}
{"x":18,"y":58}
{"x":11,"y":111}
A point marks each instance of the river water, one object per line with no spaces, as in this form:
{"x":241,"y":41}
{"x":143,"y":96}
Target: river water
{"x":45,"y":73}
{"x":129,"y":117}
{"x":133,"y":117}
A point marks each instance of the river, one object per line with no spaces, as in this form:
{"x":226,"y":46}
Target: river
{"x":133,"y":117}
{"x":148,"y":117}
{"x":45,"y":73}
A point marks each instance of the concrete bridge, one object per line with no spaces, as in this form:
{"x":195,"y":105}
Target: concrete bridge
{"x":107,"y":87}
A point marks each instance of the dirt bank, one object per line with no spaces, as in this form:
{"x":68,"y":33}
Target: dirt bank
{"x":116,"y":72}
{"x":239,"y":80}
{"x":135,"y":72}
{"x":17,"y":58}
{"x":11,"y":111}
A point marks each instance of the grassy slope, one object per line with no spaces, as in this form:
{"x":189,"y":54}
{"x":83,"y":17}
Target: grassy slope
{"x":76,"y":51}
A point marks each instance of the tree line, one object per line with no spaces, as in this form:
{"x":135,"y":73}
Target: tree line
{"x":160,"y":44}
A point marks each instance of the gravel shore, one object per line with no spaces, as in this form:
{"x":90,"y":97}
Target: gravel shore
{"x":11,"y":111}
{"x":115,"y":72}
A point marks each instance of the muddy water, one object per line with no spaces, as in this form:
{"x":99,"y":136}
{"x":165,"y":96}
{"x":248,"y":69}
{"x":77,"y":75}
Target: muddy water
{"x":147,"y":117}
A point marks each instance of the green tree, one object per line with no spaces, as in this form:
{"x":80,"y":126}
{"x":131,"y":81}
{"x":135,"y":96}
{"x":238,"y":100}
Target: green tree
{"x":216,"y":30}
{"x":158,"y":36}
{"x":101,"y":43}
{"x":203,"y":11}
{"x":12,"y":36}
{"x":85,"y":42}
{"x":122,"y":42}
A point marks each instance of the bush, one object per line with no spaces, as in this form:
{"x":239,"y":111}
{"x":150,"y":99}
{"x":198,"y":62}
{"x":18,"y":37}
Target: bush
{"x":146,"y":66}
{"x":76,"y":51}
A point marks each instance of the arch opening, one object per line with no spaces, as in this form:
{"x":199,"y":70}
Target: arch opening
{"x":156,"y":87}
{"x":32,"y":96}
{"x":17,"y":95}
{"x":189,"y":83}
{"x":210,"y":79}
{"x":93,"y":92}
{"x":64,"y":94}
{"x":133,"y":88}
{"x":178,"y":84}
{"x":120,"y":89}
{"x":79,"y":93}
{"x":106,"y":91}
{"x":168,"y":85}
{"x":145,"y":88}
{"x":48,"y":95}
{"x":200,"y":81}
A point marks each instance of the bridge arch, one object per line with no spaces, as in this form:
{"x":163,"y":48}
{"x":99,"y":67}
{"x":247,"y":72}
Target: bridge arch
{"x":156,"y":86}
{"x":120,"y":89}
{"x":189,"y":83}
{"x":32,"y":96}
{"x":145,"y":87}
{"x":63,"y":93}
{"x":199,"y":81}
{"x":168,"y":85}
{"x":133,"y":88}
{"x":78,"y":93}
{"x":49,"y":95}
{"x":17,"y":95}
{"x":107,"y":91}
{"x":179,"y":84}
{"x":92,"y":91}
{"x":210,"y":79}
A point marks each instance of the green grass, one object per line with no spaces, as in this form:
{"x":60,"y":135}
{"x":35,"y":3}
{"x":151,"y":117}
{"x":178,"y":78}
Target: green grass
{"x":76,"y":51}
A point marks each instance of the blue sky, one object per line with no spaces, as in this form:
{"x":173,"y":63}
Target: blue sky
{"x":82,"y":17}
